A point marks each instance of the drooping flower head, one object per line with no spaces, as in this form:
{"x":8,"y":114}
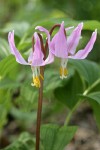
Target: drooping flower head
{"x":35,"y":59}
{"x":65,"y":47}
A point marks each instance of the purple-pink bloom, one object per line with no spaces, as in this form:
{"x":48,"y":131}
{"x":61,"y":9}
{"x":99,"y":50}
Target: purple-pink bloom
{"x":35,"y":59}
{"x":65,"y":47}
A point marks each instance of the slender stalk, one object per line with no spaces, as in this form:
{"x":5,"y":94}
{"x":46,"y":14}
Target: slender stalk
{"x":39,"y":111}
{"x":67,"y":120}
{"x":40,"y":99}
{"x":91,"y":87}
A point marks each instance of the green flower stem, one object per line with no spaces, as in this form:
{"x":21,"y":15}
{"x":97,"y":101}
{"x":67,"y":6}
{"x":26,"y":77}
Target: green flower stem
{"x":91,"y":87}
{"x":69,"y":116}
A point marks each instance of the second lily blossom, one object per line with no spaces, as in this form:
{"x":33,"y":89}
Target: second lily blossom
{"x":65,"y":47}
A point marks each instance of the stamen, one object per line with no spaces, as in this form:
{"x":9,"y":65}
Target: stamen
{"x":63,"y":68}
{"x":36,"y":76}
{"x":63,"y":72}
{"x":36,"y":82}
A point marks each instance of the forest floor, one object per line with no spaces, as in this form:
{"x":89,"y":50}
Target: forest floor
{"x":87,"y":136}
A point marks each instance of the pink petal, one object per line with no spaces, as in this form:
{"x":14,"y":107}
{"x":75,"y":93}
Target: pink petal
{"x":44,"y":30}
{"x":30,"y":57}
{"x":49,"y":59}
{"x":81,"y":54}
{"x":38,"y":56}
{"x":73,"y":39}
{"x":14,"y":50}
{"x":58,"y":45}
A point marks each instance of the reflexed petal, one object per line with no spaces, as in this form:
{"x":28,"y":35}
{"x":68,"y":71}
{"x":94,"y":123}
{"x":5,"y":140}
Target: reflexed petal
{"x":14,"y":50}
{"x":73,"y":39}
{"x":58,"y":45}
{"x":40,"y":28}
{"x":49,"y":59}
{"x":38,"y":56}
{"x":30,"y":57}
{"x":81,"y":54}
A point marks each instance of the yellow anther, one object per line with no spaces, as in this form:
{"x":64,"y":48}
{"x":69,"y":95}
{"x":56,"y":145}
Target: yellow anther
{"x":65,"y":72}
{"x":61,"y":71}
{"x":36,"y":82}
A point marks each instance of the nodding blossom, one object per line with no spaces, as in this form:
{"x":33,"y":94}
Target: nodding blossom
{"x":65,"y":47}
{"x":35,"y":59}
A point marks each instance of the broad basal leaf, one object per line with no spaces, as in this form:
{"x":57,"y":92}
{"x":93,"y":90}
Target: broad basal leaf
{"x":54,"y":137}
{"x":69,"y":93}
{"x":96,"y":111}
{"x":94,"y":96}
{"x":94,"y":100}
{"x":90,"y":71}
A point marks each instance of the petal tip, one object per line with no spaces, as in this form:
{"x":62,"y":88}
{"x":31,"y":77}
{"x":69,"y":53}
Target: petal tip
{"x":62,"y":22}
{"x":95,"y":32}
{"x":36,"y":27}
{"x":81,"y":25}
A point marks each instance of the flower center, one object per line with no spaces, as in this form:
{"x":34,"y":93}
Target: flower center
{"x":36,"y":82}
{"x":36,"y":77}
{"x":63,"y":69}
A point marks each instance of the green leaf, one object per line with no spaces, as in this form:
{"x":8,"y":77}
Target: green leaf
{"x":92,"y":25}
{"x":48,"y":136}
{"x":94,"y":96}
{"x":4,"y":48}
{"x":64,"y":136}
{"x":5,"y":105}
{"x":20,"y":28}
{"x":89,"y":70}
{"x":94,"y":100}
{"x":28,"y":96}
{"x":54,"y":137}
{"x":69,"y":93}
{"x":7,"y":65}
{"x":8,"y":83}
{"x":51,"y":82}
{"x":25,"y":142}
{"x":96,"y":111}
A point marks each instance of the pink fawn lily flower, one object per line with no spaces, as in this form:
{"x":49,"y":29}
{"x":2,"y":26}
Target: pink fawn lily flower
{"x":35,"y":59}
{"x":65,"y":48}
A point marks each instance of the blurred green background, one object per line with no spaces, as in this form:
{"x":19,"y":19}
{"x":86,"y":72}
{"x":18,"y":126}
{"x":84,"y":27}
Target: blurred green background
{"x":32,"y":10}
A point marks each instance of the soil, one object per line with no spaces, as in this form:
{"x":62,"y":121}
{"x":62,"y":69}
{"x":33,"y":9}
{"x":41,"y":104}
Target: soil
{"x":87,"y":136}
